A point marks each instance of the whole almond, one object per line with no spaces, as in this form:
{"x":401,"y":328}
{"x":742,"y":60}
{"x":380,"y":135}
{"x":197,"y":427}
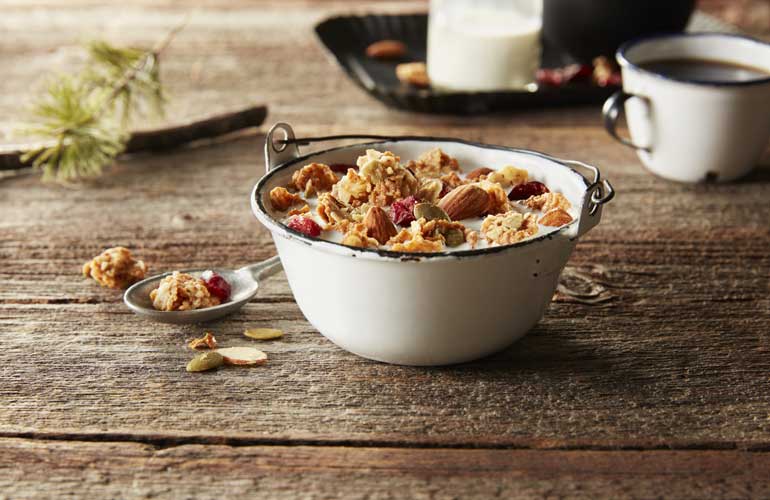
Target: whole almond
{"x":476,"y":173}
{"x":378,"y":225}
{"x":464,"y":202}
{"x":386,"y":49}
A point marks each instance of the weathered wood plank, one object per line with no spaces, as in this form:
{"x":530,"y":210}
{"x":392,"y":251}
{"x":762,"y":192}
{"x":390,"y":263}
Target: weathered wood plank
{"x":127,"y":470}
{"x":684,"y":341}
{"x":586,"y":374}
{"x":678,"y":359}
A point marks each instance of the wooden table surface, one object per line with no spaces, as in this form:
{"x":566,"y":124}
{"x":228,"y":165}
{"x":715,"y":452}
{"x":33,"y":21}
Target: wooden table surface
{"x":661,"y":391}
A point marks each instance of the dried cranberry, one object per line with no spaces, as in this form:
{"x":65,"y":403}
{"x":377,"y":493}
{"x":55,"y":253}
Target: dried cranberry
{"x":305,"y":226}
{"x":216,"y":285}
{"x":342,"y":168}
{"x":578,"y":72}
{"x":556,"y":77}
{"x":402,"y":211}
{"x":524,"y":191}
{"x":550,"y":77}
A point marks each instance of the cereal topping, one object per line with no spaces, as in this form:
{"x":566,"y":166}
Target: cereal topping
{"x":430,"y":190}
{"x":414,"y":239}
{"x":436,"y":205}
{"x":182,"y":292}
{"x":115,"y":268}
{"x":281,"y":199}
{"x":508,"y":176}
{"x":548,"y":201}
{"x":299,"y":211}
{"x":508,"y":228}
{"x":356,"y":235}
{"x":556,"y":218}
{"x":434,"y":163}
{"x":352,"y":189}
{"x":314,"y":178}
{"x":498,"y":200}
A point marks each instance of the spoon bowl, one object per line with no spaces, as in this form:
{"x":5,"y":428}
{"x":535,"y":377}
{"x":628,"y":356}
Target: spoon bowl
{"x":244,"y":283}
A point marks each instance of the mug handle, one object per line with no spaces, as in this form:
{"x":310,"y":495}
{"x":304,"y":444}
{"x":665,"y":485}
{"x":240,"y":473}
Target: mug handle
{"x":611,"y":112}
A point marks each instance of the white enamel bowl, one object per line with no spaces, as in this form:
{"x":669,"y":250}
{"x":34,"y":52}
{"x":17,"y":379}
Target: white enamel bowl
{"x":427,"y":309}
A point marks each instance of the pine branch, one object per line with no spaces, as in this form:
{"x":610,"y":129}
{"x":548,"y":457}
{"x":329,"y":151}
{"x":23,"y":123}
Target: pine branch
{"x":84,"y":119}
{"x":12,"y":156}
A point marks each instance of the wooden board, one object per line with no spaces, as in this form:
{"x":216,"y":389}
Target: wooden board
{"x":125,"y":470}
{"x":589,"y":403}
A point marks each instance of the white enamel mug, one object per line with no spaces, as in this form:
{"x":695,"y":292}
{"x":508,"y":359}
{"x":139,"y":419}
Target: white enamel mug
{"x":688,"y":130}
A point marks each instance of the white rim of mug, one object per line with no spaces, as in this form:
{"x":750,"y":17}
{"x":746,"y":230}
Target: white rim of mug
{"x":620,"y":55}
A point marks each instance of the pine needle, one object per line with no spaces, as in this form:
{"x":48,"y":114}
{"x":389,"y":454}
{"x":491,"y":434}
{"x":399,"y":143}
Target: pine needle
{"x":84,"y":119}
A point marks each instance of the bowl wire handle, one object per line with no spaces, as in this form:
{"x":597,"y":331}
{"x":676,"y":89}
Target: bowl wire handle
{"x":279,"y":150}
{"x":598,"y":192}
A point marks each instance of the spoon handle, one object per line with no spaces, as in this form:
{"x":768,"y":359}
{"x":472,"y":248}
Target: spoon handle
{"x":264,"y":269}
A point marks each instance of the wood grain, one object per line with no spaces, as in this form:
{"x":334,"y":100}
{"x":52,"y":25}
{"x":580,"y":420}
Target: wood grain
{"x":109,"y":470}
{"x":96,"y":403}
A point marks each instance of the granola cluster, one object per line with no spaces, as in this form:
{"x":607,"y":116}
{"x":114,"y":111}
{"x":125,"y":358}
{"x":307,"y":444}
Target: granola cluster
{"x":115,"y":268}
{"x":425,"y":205}
{"x":182,"y":292}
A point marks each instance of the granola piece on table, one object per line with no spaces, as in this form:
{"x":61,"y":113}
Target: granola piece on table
{"x":115,"y":268}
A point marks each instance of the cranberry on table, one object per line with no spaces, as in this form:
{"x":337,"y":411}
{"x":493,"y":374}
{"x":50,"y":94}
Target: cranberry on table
{"x":524,"y":191}
{"x":216,"y":285}
{"x":305,"y":225}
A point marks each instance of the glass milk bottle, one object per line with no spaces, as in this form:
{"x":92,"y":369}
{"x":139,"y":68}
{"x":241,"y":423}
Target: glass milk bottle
{"x":484,"y":45}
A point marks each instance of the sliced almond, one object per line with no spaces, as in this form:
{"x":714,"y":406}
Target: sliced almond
{"x":464,"y":202}
{"x":379,"y":226}
{"x":242,"y":356}
{"x":263,"y":333}
{"x":208,"y":341}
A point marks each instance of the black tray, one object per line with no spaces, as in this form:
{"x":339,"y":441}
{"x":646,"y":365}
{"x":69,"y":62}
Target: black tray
{"x":346,"y":38}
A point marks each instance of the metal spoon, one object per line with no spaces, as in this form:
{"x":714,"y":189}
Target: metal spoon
{"x":244,"y":283}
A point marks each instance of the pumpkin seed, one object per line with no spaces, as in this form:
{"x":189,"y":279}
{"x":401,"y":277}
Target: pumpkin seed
{"x":454,"y":236}
{"x":429,"y":212}
{"x":206,"y":361}
{"x":263,"y":333}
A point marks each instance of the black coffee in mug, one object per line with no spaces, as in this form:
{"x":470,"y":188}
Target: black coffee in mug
{"x":704,"y":70}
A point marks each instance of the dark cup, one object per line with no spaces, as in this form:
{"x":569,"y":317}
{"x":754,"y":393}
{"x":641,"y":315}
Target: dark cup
{"x":589,"y":28}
